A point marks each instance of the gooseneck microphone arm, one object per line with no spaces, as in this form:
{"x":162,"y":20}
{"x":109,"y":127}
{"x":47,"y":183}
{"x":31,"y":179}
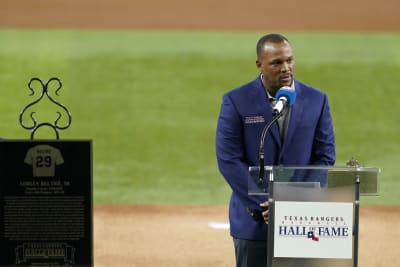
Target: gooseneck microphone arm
{"x":285,"y":98}
{"x":261,"y":153}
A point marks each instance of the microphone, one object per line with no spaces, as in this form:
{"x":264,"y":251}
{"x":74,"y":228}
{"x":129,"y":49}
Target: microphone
{"x":285,"y":97}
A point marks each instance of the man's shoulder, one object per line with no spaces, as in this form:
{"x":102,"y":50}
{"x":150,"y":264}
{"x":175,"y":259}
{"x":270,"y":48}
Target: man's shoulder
{"x":306,"y":89}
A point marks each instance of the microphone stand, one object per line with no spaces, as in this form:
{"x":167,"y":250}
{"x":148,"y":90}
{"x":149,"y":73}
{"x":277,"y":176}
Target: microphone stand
{"x":261,"y":153}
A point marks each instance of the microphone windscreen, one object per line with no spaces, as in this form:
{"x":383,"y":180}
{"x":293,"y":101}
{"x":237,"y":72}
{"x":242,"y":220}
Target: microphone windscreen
{"x":288,"y":93}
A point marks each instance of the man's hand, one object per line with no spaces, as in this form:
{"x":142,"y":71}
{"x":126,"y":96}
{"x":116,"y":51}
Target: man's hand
{"x":265,"y":213}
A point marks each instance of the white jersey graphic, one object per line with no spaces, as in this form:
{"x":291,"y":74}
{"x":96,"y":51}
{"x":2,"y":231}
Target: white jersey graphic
{"x":43,"y":159}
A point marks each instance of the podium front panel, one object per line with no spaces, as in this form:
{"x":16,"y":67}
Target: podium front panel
{"x":313,"y":212}
{"x":313,"y":225}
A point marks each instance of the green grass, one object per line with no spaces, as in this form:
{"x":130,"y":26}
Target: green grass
{"x":150,"y":101}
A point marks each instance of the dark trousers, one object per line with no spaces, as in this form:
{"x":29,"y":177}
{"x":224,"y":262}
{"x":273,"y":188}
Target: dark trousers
{"x":250,"y":253}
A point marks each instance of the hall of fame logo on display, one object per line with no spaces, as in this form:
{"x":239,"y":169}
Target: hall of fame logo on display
{"x":313,"y":230}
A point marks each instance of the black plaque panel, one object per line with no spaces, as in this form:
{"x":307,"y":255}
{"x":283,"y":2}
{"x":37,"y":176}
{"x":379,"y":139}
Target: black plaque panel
{"x":46,"y":213}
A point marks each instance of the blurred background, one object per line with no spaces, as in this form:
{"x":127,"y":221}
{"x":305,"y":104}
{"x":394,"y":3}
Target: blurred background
{"x":144,"y":81}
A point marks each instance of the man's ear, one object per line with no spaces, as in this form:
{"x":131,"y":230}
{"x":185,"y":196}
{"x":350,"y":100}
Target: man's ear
{"x":258,"y":64}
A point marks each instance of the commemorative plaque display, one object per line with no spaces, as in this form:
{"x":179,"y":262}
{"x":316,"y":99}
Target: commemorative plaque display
{"x":46,"y":206}
{"x":46,"y":209}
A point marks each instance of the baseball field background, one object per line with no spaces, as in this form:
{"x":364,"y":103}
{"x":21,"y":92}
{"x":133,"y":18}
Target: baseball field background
{"x":145,"y":82}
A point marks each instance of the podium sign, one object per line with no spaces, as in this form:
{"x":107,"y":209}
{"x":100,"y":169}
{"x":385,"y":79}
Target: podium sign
{"x":313,"y":230}
{"x":46,"y":203}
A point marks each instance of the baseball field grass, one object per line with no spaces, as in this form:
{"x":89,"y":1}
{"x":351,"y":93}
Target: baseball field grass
{"x":150,"y":101}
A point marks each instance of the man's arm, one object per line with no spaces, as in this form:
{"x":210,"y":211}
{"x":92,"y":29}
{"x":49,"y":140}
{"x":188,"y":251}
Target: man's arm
{"x":323,"y":151}
{"x":230,"y":153}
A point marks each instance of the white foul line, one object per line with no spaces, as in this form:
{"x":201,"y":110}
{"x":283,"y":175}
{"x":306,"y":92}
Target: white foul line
{"x":218,"y":225}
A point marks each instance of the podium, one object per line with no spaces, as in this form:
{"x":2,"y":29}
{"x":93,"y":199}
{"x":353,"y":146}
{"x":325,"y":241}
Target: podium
{"x":313,"y":212}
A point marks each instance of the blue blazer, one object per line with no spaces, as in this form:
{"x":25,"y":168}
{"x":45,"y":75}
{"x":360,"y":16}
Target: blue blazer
{"x":244,"y":113}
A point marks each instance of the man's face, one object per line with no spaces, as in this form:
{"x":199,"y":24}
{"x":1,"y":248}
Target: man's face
{"x":276,"y":63}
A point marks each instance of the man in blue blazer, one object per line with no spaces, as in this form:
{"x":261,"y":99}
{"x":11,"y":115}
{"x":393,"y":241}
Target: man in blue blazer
{"x":303,"y":136}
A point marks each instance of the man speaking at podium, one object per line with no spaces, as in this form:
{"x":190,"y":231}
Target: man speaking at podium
{"x":303,"y":135}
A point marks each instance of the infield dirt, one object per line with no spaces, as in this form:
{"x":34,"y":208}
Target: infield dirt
{"x":181,"y":236}
{"x":310,"y":15}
